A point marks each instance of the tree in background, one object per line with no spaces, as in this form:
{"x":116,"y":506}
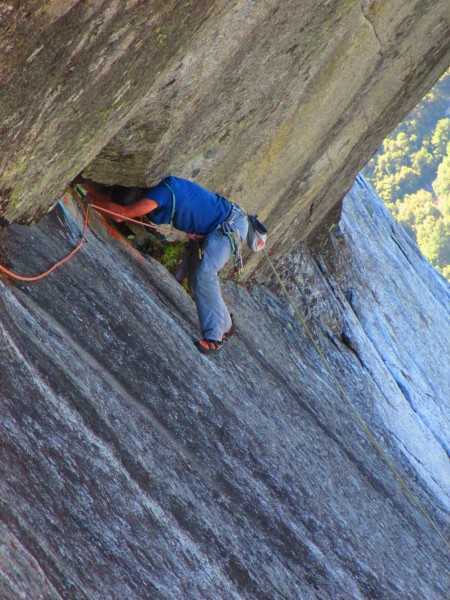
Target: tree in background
{"x":441,"y":184}
{"x":411,"y":173}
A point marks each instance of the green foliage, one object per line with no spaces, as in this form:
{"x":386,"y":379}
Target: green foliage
{"x":415,"y":208}
{"x":411,"y":173}
{"x":433,"y":238}
{"x":440,"y":138}
{"x":444,"y":205}
{"x":167,"y":253}
{"x":441,"y":184}
{"x":446,"y":272}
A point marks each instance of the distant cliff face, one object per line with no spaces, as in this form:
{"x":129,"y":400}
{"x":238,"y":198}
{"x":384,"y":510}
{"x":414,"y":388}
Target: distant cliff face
{"x":375,"y":283}
{"x":275,"y":104}
{"x":133,"y":467}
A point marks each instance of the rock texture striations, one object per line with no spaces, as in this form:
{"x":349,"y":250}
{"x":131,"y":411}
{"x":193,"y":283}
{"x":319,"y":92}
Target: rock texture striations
{"x":275,"y":104}
{"x":134,"y":467}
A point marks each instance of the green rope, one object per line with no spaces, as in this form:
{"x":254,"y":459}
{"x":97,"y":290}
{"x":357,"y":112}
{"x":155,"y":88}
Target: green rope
{"x":169,"y":186}
{"x":358,"y":417}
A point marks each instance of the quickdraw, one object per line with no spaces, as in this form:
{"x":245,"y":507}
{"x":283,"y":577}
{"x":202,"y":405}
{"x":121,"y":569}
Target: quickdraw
{"x":235,"y":243}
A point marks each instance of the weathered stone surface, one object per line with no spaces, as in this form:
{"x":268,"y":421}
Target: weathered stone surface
{"x":72,"y":73}
{"x":374,"y":271}
{"x":276,"y":104}
{"x":134,"y":467}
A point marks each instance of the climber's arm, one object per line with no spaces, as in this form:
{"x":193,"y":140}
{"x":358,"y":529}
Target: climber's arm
{"x":138,"y":209}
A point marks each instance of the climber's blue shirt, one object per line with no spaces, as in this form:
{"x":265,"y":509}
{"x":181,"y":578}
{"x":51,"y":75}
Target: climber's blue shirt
{"x":197,"y":210}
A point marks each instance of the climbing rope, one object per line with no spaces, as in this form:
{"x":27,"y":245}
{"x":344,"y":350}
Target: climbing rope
{"x":165,"y":230}
{"x":57,"y":264}
{"x":82,"y":235}
{"x":302,"y":322}
{"x":161,"y":229}
{"x":356,"y":414}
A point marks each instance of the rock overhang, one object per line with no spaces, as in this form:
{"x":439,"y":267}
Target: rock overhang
{"x":275,"y":105}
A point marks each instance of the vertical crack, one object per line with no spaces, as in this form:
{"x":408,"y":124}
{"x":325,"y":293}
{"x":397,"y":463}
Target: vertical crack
{"x":366,"y":15}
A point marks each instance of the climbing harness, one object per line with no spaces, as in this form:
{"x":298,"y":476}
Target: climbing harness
{"x":235,"y":243}
{"x":226,"y":228}
{"x":356,"y":414}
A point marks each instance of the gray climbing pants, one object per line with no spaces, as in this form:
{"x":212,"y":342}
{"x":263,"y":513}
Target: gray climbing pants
{"x":213,"y":315}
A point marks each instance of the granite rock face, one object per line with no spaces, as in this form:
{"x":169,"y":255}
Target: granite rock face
{"x":274,"y":104}
{"x":380,"y":297}
{"x":134,"y":467}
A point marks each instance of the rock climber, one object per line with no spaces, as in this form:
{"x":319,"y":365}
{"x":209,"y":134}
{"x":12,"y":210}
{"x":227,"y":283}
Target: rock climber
{"x":193,"y":209}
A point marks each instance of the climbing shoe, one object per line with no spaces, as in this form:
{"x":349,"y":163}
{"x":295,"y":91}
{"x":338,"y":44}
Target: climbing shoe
{"x":226,"y":336}
{"x":208,"y":346}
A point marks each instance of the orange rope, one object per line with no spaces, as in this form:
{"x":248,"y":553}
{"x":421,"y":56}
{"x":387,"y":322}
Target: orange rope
{"x":57,"y":264}
{"x":191,"y":236}
{"x":83,"y":238}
